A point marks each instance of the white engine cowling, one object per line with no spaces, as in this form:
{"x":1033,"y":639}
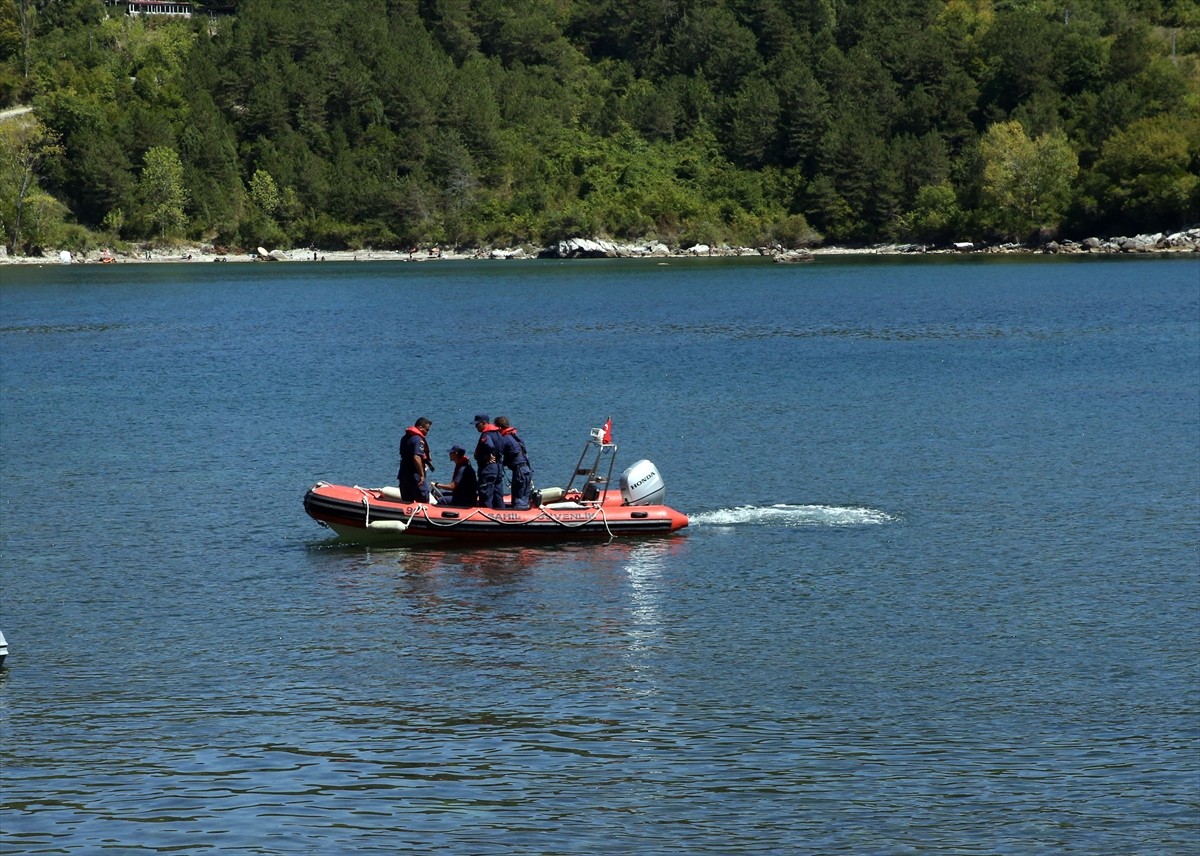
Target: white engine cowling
{"x":642,"y":485}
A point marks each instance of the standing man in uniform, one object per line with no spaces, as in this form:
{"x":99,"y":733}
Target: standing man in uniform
{"x":414,"y":461}
{"x":516,"y":458}
{"x":487,"y":460}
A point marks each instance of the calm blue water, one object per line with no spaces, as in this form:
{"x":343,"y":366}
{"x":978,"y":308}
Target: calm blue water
{"x":940,"y":595}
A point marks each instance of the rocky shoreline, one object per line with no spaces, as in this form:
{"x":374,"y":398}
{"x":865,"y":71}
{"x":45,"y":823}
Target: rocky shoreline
{"x":1187,"y":241}
{"x":576,"y":248}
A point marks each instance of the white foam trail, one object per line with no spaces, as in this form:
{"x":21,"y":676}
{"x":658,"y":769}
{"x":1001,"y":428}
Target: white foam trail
{"x":792,"y":515}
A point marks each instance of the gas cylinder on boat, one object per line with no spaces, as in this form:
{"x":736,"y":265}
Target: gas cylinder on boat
{"x":546,"y":495}
{"x":642,"y":485}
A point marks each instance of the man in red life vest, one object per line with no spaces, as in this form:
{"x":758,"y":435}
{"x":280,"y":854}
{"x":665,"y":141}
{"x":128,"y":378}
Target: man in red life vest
{"x":516,"y":458}
{"x":487,"y":458}
{"x":464,"y":489}
{"x":414,"y":461}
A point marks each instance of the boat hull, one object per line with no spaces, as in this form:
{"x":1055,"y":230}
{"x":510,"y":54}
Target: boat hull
{"x":367,"y":515}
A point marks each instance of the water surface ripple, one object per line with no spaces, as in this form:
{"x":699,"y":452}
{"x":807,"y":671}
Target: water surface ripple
{"x":939,"y":593}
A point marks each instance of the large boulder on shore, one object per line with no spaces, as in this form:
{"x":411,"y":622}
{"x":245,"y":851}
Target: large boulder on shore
{"x":1157,"y":242}
{"x":518,"y":253}
{"x":581,"y":248}
{"x":594,"y":248}
{"x":1189,"y":240}
{"x":639,"y":251}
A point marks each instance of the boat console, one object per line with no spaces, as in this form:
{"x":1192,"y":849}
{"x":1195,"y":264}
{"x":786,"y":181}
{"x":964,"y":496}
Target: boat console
{"x":640,"y":484}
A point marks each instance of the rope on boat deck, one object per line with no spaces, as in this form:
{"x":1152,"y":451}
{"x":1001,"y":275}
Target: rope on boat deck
{"x":483,"y":512}
{"x":599,"y":512}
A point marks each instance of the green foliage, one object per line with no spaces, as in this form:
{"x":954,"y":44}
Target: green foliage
{"x":42,"y":223}
{"x":935,"y":217}
{"x":114,"y":220}
{"x":1027,"y":183}
{"x":753,"y":123}
{"x":1150,"y":175}
{"x":162,"y":190}
{"x":28,"y":215}
{"x":264,"y":193}
{"x":502,"y":122}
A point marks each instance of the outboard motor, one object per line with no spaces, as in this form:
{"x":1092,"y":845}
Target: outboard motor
{"x":642,"y":485}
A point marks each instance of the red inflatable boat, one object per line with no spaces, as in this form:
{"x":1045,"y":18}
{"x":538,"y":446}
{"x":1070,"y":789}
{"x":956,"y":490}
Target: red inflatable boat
{"x":594,"y":510}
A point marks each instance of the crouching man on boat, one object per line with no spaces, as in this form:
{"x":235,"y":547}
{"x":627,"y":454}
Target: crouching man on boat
{"x":414,"y":461}
{"x":463,"y":487}
{"x":516,"y":459}
{"x":487,"y":458}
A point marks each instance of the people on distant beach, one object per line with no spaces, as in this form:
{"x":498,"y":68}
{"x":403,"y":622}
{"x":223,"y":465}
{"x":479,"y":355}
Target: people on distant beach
{"x":415,"y":462}
{"x":463,"y":486}
{"x":488,"y":457}
{"x":516,"y":459}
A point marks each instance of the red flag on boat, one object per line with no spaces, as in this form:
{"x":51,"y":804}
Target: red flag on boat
{"x":608,"y":430}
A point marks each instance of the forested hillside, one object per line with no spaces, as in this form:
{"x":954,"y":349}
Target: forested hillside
{"x":336,"y":124}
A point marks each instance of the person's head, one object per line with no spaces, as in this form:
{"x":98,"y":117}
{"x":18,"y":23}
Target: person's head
{"x":457,"y":452}
{"x":502,"y":422}
{"x":480,"y":420}
{"x":424,"y":424}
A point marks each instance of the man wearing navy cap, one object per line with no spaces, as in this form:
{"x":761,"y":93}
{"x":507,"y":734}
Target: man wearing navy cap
{"x":487,"y":459}
{"x":462,"y":485}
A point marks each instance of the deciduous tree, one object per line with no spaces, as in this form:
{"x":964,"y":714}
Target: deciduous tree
{"x":25,"y":143}
{"x":163,"y":192}
{"x":1027,"y":184}
{"x":1147,"y":167}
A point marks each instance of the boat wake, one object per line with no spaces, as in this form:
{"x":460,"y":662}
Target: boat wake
{"x":792,"y":515}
